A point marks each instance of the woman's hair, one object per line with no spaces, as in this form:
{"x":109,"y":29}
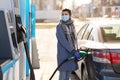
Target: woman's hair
{"x":68,"y":10}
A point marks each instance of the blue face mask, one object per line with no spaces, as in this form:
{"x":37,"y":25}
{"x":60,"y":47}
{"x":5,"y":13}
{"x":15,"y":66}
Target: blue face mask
{"x":65,"y":18}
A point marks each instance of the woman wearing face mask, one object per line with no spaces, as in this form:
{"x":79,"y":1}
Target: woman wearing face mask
{"x":66,"y":45}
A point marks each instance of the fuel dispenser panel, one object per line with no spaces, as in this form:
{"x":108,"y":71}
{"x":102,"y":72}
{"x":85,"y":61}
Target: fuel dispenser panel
{"x":5,"y":41}
{"x":8,"y":47}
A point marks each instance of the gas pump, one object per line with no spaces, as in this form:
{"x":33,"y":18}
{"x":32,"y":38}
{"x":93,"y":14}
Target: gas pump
{"x":15,"y":44}
{"x":9,"y":58}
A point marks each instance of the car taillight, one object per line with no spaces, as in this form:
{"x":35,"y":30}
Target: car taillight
{"x":115,"y":58}
{"x":106,"y":57}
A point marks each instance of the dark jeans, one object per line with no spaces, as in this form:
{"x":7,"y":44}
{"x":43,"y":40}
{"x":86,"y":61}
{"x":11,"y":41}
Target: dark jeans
{"x":64,"y":75}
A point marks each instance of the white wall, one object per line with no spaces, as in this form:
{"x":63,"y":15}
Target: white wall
{"x":48,"y":14}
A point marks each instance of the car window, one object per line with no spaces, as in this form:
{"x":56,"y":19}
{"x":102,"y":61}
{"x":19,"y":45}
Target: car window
{"x":111,"y":33}
{"x":81,"y":32}
{"x":90,"y":36}
{"x":88,"y":32}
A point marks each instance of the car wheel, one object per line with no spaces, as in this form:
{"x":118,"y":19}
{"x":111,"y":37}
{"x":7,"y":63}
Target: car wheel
{"x":84,"y":74}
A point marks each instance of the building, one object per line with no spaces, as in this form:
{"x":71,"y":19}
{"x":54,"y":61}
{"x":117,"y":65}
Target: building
{"x":43,"y":4}
{"x":108,"y":8}
{"x":48,"y":4}
{"x":48,"y":9}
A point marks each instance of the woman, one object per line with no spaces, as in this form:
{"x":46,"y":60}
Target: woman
{"x":67,"y":45}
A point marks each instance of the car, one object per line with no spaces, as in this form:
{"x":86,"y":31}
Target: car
{"x":101,"y":39}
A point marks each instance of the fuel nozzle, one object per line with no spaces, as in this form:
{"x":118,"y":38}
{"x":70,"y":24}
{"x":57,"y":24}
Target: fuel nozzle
{"x":83,"y":53}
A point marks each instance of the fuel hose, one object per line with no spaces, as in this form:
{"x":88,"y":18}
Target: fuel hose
{"x":82,"y":53}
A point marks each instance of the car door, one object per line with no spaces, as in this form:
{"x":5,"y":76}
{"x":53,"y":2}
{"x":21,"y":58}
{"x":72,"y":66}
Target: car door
{"x":88,"y":60}
{"x":88,"y":63}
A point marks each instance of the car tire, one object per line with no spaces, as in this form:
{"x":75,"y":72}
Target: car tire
{"x":84,"y":74}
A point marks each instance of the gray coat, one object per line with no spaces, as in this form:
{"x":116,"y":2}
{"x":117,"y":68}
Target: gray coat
{"x":64,"y":51}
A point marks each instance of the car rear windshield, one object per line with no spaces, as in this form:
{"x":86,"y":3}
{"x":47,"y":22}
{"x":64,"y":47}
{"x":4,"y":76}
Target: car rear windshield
{"x":111,"y":33}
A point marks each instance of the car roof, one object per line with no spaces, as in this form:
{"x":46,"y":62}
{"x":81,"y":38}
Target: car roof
{"x":96,"y":25}
{"x":104,"y":23}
